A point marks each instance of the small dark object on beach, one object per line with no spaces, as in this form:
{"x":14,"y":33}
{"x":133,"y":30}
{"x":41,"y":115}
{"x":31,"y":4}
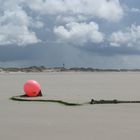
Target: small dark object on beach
{"x":104,"y":101}
{"x":39,"y":95}
{"x":92,"y":101}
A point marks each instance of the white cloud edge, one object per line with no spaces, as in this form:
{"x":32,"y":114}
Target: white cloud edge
{"x":15,"y":25}
{"x":97,"y":8}
{"x":129,"y":37}
{"x":79,"y":33}
{"x":135,"y":10}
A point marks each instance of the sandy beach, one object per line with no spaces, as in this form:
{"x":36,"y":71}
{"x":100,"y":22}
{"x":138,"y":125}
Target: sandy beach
{"x":52,"y":121}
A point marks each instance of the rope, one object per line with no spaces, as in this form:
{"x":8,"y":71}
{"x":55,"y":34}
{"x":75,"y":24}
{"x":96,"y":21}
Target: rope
{"x":18,"y":98}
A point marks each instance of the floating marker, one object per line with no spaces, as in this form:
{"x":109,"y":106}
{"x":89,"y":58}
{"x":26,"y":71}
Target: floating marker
{"x":32,"y":88}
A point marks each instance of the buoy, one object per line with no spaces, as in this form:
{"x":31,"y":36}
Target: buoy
{"x":32,"y":88}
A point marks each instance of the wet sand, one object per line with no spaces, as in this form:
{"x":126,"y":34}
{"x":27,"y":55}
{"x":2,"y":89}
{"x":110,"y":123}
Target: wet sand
{"x":26,"y":120}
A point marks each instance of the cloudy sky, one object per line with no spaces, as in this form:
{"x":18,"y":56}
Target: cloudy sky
{"x":78,"y":33}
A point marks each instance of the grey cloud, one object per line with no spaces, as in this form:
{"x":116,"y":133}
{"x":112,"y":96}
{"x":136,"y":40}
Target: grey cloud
{"x":110,"y":51}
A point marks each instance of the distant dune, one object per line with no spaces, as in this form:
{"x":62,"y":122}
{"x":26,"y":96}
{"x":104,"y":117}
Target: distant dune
{"x":62,"y":69}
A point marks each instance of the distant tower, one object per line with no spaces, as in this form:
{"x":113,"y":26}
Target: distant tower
{"x":63,"y":66}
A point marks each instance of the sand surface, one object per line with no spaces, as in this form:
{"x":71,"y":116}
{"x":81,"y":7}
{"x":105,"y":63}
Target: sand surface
{"x":51,"y":121}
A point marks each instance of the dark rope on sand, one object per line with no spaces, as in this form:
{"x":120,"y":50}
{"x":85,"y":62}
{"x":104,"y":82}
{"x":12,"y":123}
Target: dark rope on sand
{"x":111,"y":101}
{"x":17,"y":98}
{"x":27,"y":99}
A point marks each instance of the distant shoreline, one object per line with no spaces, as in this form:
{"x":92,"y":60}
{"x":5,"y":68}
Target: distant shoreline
{"x":62,"y":69}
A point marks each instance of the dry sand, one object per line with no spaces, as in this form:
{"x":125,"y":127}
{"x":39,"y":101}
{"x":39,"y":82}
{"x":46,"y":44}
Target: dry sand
{"x":37,"y":121}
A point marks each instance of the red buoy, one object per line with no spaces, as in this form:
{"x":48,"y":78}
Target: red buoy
{"x":32,"y":88}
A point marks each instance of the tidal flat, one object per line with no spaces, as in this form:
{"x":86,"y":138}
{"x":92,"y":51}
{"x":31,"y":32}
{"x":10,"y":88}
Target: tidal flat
{"x":39,"y":120}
